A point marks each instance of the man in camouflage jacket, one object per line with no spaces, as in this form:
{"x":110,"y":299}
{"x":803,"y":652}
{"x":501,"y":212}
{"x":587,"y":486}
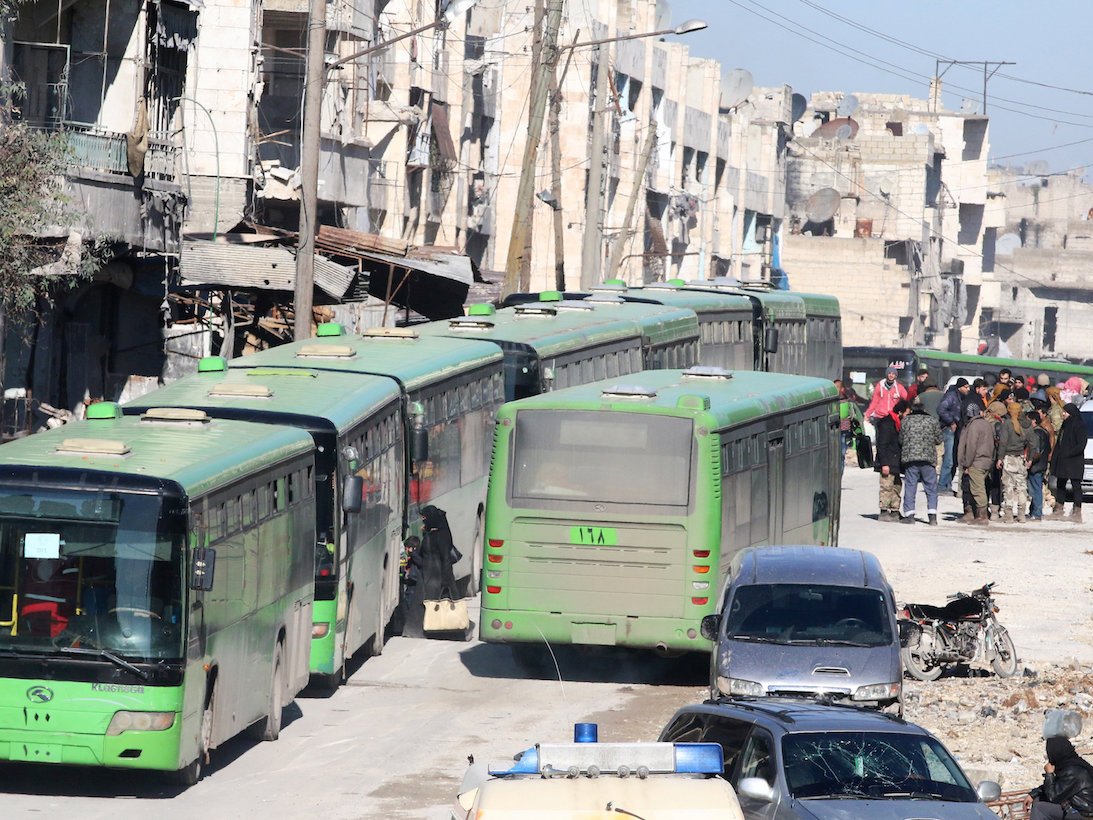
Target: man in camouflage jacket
{"x":919,"y":438}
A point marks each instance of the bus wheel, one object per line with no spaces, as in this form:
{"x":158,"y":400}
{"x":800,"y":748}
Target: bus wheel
{"x":190,"y":774}
{"x":269,"y":727}
{"x":475,"y":581}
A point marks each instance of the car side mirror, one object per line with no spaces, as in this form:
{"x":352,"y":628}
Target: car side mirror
{"x":710,"y":626}
{"x":202,"y":566}
{"x":353,"y":494}
{"x":770,"y":340}
{"x":988,"y":790}
{"x":756,"y":788}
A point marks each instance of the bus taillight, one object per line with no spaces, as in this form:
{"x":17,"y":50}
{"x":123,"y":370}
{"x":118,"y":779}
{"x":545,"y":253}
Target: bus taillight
{"x":702,"y":553}
{"x":493,"y":590}
{"x":701,"y":570}
{"x":496,"y":559}
{"x":496,"y":543}
{"x":700,"y":601}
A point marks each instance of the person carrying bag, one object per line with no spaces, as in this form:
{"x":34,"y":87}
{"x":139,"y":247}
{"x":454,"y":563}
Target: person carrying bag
{"x":443,"y":612}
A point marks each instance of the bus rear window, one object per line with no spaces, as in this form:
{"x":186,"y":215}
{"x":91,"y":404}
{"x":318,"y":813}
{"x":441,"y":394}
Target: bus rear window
{"x":584,"y":455}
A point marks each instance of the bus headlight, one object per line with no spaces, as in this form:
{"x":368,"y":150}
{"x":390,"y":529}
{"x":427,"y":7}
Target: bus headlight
{"x":140,"y":722}
{"x":320,"y":629}
{"x":739,"y":687}
{"x":877,"y":691}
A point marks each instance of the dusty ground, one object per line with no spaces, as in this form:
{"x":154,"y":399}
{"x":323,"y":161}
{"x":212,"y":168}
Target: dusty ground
{"x":1044,"y":575}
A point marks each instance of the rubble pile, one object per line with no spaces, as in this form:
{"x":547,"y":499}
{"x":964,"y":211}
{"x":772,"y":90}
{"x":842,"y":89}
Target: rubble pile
{"x":994,"y":725}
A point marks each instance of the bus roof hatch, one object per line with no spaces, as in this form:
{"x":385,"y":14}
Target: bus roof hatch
{"x":629,"y":391}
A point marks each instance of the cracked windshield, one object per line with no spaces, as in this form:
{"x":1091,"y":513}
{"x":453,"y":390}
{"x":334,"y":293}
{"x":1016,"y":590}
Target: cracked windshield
{"x":798,"y":614}
{"x":85,"y":572}
{"x":872,"y":765}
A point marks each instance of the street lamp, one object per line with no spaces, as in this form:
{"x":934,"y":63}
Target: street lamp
{"x":592,"y":250}
{"x":311,"y":148}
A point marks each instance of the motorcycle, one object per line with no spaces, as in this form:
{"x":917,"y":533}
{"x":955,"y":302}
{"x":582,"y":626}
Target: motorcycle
{"x":965,"y":630}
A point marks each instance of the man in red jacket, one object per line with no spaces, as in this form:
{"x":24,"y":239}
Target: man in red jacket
{"x":885,"y":395}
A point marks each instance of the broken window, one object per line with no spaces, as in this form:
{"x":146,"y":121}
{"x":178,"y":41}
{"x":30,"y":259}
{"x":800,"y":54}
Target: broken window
{"x":872,"y":765}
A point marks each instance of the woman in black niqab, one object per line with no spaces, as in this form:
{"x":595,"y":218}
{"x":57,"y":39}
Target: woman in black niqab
{"x":437,"y":548}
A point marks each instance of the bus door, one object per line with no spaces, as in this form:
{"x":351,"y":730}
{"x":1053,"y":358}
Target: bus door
{"x":776,"y":463}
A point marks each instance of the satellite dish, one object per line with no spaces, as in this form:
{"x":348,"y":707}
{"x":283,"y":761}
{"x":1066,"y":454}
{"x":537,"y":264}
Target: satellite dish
{"x":969,"y":106}
{"x":847,"y":106}
{"x":920,"y":129}
{"x":834,"y":129}
{"x":798,"y":106}
{"x":1006,"y":244}
{"x":736,"y":85}
{"x":823,"y":205}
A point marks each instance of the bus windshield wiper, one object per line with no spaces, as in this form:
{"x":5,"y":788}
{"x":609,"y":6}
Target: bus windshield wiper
{"x":755,"y":639}
{"x":107,"y":655}
{"x":826,"y":642}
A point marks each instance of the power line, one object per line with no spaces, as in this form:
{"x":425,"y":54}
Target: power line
{"x":927,"y":53}
{"x":897,"y":70}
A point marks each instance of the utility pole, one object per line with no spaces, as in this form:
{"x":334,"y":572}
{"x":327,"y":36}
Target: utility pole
{"x":310,"y":148}
{"x":554,"y":126}
{"x":619,"y":245}
{"x":517,"y":266}
{"x":592,"y":251}
{"x":988,"y":72}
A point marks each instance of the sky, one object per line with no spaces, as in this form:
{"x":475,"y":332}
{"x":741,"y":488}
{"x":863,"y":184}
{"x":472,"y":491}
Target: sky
{"x":1048,"y":40}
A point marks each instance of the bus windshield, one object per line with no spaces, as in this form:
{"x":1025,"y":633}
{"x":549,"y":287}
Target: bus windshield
{"x":808,"y":614}
{"x":585,"y":455}
{"x":86,"y":571}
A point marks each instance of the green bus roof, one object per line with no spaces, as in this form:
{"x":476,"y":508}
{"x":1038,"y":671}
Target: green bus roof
{"x":1023,"y":366}
{"x":659,"y":323}
{"x":700,"y":301}
{"x":342,"y":399}
{"x":541,"y":326}
{"x":198,"y":455}
{"x":779,"y":304}
{"x":399,"y":353}
{"x":819,"y":304}
{"x":741,"y":398}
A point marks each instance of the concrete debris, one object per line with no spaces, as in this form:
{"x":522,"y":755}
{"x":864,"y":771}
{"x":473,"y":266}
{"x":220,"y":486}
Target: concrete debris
{"x":994,"y":724}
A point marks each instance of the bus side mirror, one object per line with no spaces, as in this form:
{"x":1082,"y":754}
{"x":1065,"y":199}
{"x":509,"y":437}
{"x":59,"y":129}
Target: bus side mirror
{"x":353,"y":494}
{"x":202,"y":568}
{"x":709,"y":627}
{"x":770,"y":340}
{"x":419,"y":444}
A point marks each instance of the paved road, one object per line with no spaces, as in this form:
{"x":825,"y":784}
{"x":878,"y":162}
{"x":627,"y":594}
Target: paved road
{"x":393,"y":743}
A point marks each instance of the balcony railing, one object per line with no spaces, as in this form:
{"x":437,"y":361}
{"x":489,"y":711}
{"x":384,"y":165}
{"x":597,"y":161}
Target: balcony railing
{"x":104,"y":151}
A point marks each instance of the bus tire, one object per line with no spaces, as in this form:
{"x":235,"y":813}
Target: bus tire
{"x":190,"y":774}
{"x":269,"y":727}
{"x":375,"y":646}
{"x":474,"y":583}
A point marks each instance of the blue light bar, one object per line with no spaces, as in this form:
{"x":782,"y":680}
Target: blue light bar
{"x":527,"y":764}
{"x":699,"y":758}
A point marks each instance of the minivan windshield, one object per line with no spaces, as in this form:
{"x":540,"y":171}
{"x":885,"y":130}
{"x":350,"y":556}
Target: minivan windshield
{"x":872,"y":765}
{"x":808,"y":614}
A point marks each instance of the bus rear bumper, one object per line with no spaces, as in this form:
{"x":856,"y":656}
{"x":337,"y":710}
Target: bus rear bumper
{"x":128,"y":750}
{"x":672,"y":634}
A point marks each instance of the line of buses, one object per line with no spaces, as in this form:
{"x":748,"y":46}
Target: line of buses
{"x":175,"y":570}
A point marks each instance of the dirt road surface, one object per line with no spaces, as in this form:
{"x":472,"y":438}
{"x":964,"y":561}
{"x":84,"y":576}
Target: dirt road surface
{"x":393,"y":743}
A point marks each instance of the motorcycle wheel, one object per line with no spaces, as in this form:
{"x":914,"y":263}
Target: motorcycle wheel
{"x":1004,"y":662}
{"x":916,"y":667}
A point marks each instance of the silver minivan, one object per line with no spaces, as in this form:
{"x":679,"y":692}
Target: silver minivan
{"x":806,"y":622}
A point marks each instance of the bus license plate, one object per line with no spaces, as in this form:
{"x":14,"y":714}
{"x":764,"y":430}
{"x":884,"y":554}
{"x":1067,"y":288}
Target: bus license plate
{"x":594,"y":536}
{"x":36,"y":752}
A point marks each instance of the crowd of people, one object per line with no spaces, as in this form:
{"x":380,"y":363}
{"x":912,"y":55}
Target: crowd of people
{"x":1012,"y":447}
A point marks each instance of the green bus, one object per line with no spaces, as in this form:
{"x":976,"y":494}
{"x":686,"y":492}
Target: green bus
{"x":614,"y":510}
{"x":945,"y":366}
{"x":546,"y":348}
{"x":155,"y":588}
{"x":670,"y":337}
{"x":357,"y":427}
{"x":450,"y":390}
{"x":726,"y":326}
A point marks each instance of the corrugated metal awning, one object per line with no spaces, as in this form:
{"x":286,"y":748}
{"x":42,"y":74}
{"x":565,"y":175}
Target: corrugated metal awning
{"x":246,"y":267}
{"x":443,"y":132}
